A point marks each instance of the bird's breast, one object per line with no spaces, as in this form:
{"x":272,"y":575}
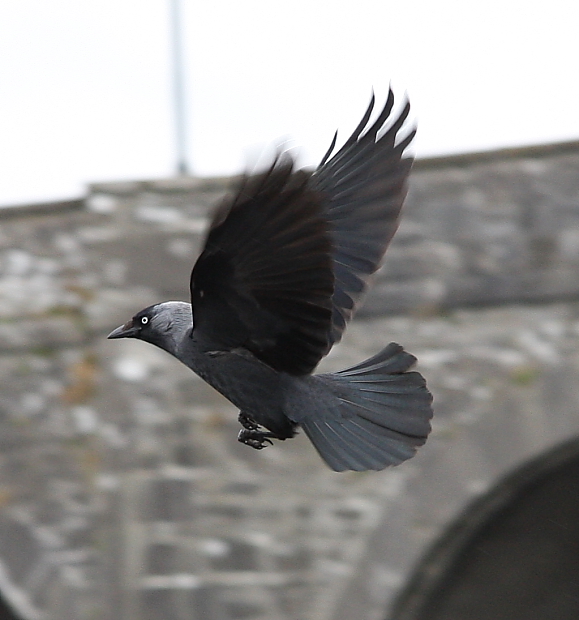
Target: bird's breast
{"x":252,"y":386}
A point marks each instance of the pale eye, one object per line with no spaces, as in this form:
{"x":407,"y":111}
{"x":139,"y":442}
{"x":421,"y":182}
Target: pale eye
{"x":144,"y":320}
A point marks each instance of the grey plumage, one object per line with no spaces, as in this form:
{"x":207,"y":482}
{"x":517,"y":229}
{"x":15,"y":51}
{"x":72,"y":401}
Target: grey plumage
{"x":285,"y":264}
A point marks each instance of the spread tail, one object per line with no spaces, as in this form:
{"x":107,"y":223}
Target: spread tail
{"x":378,"y":416}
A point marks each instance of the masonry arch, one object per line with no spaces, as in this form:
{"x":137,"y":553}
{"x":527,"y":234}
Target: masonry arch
{"x":513,"y":554}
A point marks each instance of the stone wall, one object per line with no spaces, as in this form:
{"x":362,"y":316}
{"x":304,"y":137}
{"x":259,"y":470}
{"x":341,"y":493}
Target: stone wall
{"x":486,"y":229}
{"x":124,"y":493}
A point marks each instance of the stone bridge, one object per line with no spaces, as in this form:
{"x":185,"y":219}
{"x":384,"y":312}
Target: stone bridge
{"x":123,"y":491}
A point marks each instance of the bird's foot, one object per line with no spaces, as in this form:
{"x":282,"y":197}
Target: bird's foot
{"x":254,"y":438}
{"x":247,"y":421}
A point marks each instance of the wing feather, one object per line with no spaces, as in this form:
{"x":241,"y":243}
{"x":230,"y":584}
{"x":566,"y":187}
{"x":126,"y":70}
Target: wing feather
{"x":365,"y":183}
{"x":264,"y":280}
{"x":288,"y":259}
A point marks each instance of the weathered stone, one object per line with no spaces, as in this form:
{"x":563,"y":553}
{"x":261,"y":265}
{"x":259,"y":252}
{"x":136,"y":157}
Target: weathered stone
{"x":124,"y":491}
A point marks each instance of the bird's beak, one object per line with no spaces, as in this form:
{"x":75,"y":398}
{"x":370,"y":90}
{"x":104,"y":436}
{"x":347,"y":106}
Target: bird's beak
{"x":128,"y":330}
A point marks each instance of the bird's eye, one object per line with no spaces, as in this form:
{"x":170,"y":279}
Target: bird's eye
{"x":144,"y":320}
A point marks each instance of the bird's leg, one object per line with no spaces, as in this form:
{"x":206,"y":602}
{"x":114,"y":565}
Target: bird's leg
{"x":250,"y":434}
{"x":247,"y":421}
{"x":255,"y":439}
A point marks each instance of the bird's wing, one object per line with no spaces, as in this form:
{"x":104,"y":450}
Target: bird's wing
{"x":365,"y":184}
{"x":264,"y":280}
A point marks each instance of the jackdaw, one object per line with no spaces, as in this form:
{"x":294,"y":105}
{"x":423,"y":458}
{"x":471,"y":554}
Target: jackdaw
{"x":284,"y":266}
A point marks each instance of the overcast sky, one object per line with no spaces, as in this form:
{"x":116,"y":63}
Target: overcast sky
{"x":85,"y":86}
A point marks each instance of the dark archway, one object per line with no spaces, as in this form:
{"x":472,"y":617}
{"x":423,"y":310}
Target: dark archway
{"x":6,"y":611}
{"x":513,"y":554}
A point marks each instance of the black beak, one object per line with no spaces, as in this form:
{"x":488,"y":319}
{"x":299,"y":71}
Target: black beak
{"x":128,"y":330}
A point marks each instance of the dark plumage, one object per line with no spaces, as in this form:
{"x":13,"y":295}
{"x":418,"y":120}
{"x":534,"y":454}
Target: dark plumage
{"x":284,"y":266}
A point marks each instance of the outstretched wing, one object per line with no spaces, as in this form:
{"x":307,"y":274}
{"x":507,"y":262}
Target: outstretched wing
{"x":365,"y":184}
{"x":264,"y":280}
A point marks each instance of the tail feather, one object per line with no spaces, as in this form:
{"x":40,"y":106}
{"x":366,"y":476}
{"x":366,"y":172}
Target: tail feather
{"x":324,"y":445}
{"x":377,"y":414}
{"x":392,"y":359}
{"x":360,"y":459}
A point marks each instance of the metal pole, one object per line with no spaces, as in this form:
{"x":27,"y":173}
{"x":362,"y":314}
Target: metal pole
{"x":179,"y":88}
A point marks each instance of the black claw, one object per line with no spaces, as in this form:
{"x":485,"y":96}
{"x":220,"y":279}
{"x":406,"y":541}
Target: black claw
{"x":247,"y":421}
{"x":255,"y":439}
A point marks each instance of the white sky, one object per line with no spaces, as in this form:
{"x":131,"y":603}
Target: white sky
{"x":85,"y":86}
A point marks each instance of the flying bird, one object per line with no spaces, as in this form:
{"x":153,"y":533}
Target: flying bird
{"x":284,"y":266}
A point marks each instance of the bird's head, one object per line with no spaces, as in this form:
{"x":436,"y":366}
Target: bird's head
{"x":164,"y":325}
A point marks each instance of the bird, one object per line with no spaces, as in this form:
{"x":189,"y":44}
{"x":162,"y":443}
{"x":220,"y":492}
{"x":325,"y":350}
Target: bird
{"x":285,"y":264}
